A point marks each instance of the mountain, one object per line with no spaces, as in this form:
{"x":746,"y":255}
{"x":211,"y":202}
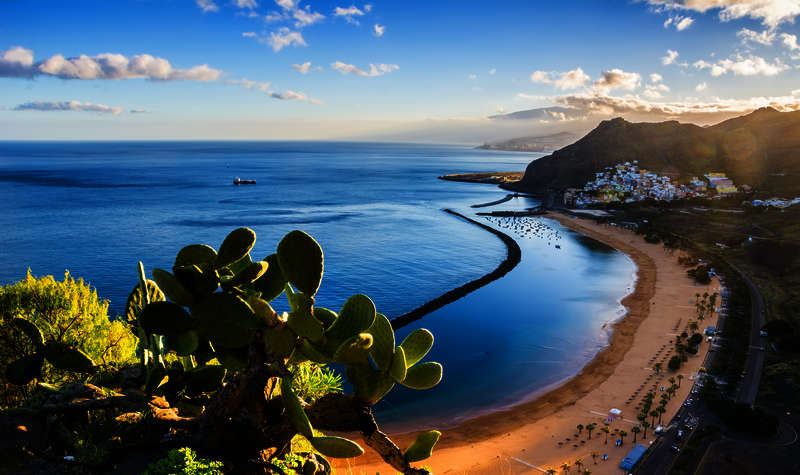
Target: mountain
{"x":542,"y":113}
{"x":761,"y":149}
{"x":542,"y":143}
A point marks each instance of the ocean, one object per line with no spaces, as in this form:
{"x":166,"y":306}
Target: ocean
{"x":96,"y":208}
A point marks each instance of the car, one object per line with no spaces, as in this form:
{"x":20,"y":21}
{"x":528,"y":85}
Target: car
{"x":763,"y":333}
{"x":702,"y":369}
{"x":675,"y":448}
{"x":659,"y":430}
{"x":679,"y":435}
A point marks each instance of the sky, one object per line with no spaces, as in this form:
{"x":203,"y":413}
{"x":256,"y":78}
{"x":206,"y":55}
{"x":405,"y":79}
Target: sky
{"x":387,"y":70}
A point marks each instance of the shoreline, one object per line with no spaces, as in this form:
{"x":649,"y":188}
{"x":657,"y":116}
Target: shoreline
{"x":475,"y":445}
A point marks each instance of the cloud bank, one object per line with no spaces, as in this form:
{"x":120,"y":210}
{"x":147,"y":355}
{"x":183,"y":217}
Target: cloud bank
{"x":43,"y":106}
{"x":374,"y":70}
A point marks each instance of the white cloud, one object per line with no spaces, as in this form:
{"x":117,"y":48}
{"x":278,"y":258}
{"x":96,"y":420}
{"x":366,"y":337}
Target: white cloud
{"x":349,"y":13}
{"x":701,"y":87}
{"x":617,"y":78}
{"x":139,"y":111}
{"x":653,"y":91}
{"x":655,"y":77}
{"x":302,"y":68}
{"x":368,"y":7}
{"x":250,"y":85}
{"x":249,"y":34}
{"x":749,"y":36}
{"x":18,"y":62}
{"x":67,"y":106}
{"x":679,"y":22}
{"x":207,"y":5}
{"x":669,"y":58}
{"x":743,"y":66}
{"x":273,"y":17}
{"x":492,"y":71}
{"x":287,"y":4}
{"x":378,"y":30}
{"x":472,"y":76}
{"x":285,"y":37}
{"x":790,"y":41}
{"x":306,"y":17}
{"x":245,"y":3}
{"x":771,"y":12}
{"x":374,"y":70}
{"x":567,"y":80}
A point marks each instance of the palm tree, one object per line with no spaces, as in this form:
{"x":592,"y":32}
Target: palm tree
{"x":590,"y":428}
{"x":579,"y":464}
{"x":657,"y":367}
{"x":680,"y":376}
{"x":587,"y":472}
{"x":594,"y":456}
{"x":653,"y":414}
{"x":641,"y":417}
{"x":565,"y":467}
{"x":661,"y":410}
{"x":622,"y":435}
{"x":693,"y":326}
{"x":671,"y":391}
{"x":671,"y":380}
{"x":606,"y":430}
{"x":635,"y":430}
{"x":580,"y":429}
{"x":645,"y":425}
{"x":551,"y":471}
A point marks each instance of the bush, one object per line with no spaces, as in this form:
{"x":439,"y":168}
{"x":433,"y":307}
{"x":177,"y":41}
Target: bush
{"x":184,"y":461}
{"x":674,"y":363}
{"x":67,"y":311}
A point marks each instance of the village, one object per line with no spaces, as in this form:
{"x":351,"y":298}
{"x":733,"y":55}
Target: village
{"x":627,"y":183}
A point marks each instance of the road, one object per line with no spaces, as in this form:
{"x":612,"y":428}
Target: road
{"x":748,"y":388}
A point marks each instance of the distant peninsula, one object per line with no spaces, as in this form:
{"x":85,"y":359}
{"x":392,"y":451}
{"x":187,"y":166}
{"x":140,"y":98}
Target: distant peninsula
{"x":543,"y":143}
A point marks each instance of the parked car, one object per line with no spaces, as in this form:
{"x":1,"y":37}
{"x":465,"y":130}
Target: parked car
{"x":679,"y":435}
{"x":675,"y":448}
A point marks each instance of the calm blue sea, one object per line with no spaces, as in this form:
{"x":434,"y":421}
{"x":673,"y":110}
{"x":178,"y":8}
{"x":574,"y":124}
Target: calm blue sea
{"x":97,"y":208}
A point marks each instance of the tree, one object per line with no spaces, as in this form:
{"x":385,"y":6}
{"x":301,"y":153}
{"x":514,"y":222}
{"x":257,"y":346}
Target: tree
{"x":661,"y":410}
{"x":635,"y":430}
{"x":680,"y":377}
{"x":551,"y":471}
{"x":654,"y":414}
{"x":606,"y":431}
{"x":674,"y":363}
{"x":657,"y":367}
{"x":645,"y":425}
{"x":594,"y":455}
{"x":67,"y":312}
{"x":590,"y":428}
{"x":565,"y":467}
{"x":622,"y":435}
{"x":671,"y":380}
{"x":693,"y":326}
{"x":580,"y":429}
{"x":579,"y":464}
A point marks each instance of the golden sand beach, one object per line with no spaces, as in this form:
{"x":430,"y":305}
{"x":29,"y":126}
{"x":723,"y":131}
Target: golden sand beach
{"x":541,"y":433}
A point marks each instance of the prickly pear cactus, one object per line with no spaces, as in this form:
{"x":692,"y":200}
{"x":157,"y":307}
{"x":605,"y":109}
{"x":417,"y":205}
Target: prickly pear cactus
{"x":216,"y":304}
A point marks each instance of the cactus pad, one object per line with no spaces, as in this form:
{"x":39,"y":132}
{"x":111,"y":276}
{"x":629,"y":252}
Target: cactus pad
{"x":263,"y":311}
{"x":301,"y":261}
{"x":134,"y":304}
{"x":423,"y":376}
{"x":383,"y":346}
{"x":422,"y":448}
{"x":68,"y":358}
{"x":235,"y":246}
{"x":354,"y":350}
{"x":416,"y":345}
{"x":227,"y":320}
{"x":370,"y":385}
{"x":198,"y":255}
{"x":233,"y":360}
{"x":325,"y":316}
{"x":336,"y":447}
{"x":25,"y":369}
{"x":249,"y":274}
{"x":165,"y":318}
{"x":399,"y":365}
{"x":30,"y":330}
{"x":280,"y":341}
{"x":297,"y":416}
{"x":172,"y":288}
{"x":357,"y":315}
{"x":271,"y":283}
{"x":196,"y":280}
{"x":184,"y":343}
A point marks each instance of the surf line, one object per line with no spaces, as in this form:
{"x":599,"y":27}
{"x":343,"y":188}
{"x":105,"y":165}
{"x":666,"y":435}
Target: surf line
{"x":513,"y":257}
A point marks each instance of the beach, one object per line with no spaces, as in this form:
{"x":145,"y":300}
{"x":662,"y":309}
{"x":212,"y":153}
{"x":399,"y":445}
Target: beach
{"x":542,"y":433}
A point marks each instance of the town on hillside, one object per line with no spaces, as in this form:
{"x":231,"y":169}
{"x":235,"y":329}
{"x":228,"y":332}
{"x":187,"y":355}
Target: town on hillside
{"x":627,"y":183}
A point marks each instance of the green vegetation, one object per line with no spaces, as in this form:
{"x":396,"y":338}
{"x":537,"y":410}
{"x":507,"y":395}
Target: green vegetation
{"x":184,"y":461}
{"x":43,"y":316}
{"x":218,"y":368}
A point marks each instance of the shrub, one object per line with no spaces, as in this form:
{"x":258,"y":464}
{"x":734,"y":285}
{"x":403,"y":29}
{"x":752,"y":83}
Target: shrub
{"x":674,"y":363}
{"x":67,"y":311}
{"x":184,"y":461}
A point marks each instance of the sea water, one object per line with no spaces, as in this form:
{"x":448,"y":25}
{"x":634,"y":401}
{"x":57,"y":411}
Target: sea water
{"x":97,"y":208}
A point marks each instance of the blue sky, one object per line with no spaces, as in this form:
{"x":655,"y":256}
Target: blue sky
{"x":239,"y":68}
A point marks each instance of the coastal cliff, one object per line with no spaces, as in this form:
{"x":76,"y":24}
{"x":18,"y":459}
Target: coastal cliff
{"x":761,"y":149}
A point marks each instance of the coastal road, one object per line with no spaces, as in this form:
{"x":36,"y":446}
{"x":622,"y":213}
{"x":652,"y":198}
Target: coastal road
{"x":748,"y":388}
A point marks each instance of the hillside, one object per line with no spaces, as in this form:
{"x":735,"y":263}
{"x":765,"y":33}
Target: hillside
{"x":761,"y":149}
{"x":543,"y":143}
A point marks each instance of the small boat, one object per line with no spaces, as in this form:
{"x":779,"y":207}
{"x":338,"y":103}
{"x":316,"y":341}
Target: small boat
{"x":239,"y":181}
